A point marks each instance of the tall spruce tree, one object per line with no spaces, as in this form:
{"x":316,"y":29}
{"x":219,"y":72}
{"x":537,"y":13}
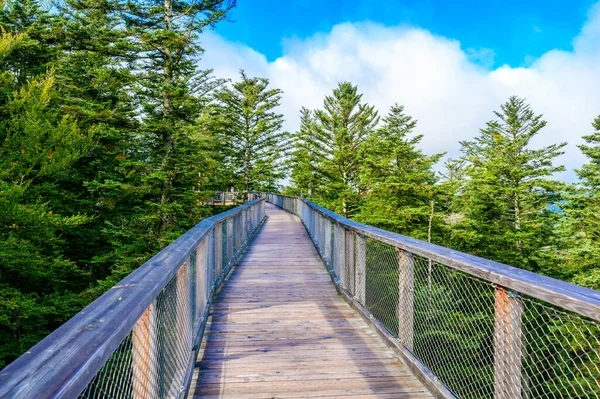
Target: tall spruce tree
{"x":94,"y":87}
{"x":340,"y":131}
{"x":305,"y":155}
{"x":397,"y":178}
{"x":38,"y":283}
{"x":580,"y":231}
{"x":508,"y":189}
{"x":590,"y":172}
{"x":170,"y":87}
{"x":254,"y":145}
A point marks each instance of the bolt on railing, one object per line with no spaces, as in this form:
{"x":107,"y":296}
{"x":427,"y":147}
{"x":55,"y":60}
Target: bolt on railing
{"x":467,"y":326}
{"x":140,"y":339}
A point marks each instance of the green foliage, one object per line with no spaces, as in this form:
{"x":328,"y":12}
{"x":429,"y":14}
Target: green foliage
{"x":250,"y":132}
{"x":105,"y":155}
{"x":41,"y":37}
{"x":170,"y":91}
{"x":499,"y":201}
{"x":590,"y":172}
{"x":503,"y":200}
{"x":580,"y":229}
{"x":112,"y":140}
{"x":36,"y":278}
{"x":304,"y":158}
{"x":338,"y":134}
{"x":397,"y":178}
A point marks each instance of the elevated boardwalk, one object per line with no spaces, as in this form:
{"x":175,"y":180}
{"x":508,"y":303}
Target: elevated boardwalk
{"x":247,"y":304}
{"x":279,"y":329}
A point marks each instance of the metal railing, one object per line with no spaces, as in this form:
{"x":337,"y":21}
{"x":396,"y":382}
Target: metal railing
{"x":231,"y":197}
{"x":222,"y":197}
{"x":140,"y":339}
{"x":467,"y":326}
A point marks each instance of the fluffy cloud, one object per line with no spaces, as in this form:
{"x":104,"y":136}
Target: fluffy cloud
{"x":447,"y":88}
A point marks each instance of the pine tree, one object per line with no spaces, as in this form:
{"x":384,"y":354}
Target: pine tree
{"x":93,"y":85}
{"x":303,"y":162}
{"x":341,"y":129}
{"x":397,"y":178}
{"x":580,"y":230}
{"x":250,"y":130}
{"x":508,"y":189}
{"x":170,"y":91}
{"x":42,"y":38}
{"x":38,"y":284}
{"x":590,"y":172}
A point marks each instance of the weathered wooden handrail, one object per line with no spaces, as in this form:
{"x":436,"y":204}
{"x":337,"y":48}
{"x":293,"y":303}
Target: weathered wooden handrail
{"x":140,"y":338}
{"x":518,"y":317}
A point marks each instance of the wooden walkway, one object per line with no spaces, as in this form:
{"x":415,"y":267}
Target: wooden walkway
{"x":280,"y":330}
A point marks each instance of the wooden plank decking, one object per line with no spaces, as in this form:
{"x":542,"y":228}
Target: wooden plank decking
{"x":280,"y":330}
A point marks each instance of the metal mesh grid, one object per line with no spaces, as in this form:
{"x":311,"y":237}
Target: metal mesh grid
{"x":480,"y":340}
{"x":115,"y":378}
{"x":154,"y":360}
{"x":454,"y":327}
{"x":561,"y":353}
{"x":174,"y":335}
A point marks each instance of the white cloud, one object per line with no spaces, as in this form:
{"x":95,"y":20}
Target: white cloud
{"x":444,"y":86}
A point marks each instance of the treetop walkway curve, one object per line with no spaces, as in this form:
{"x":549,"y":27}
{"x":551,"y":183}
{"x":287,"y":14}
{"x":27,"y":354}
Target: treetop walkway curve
{"x":281,"y":298}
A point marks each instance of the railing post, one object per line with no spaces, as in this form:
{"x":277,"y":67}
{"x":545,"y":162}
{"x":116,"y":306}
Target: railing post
{"x":230,"y":234}
{"x":320,"y":233}
{"x":350,"y":252}
{"x":406,"y":282}
{"x":144,"y":370}
{"x":340,"y":253}
{"x":508,"y":309}
{"x":327,"y":240}
{"x":201,"y":277}
{"x":183,"y":339}
{"x":254,"y":216}
{"x":360,"y":280}
{"x":218,"y":249}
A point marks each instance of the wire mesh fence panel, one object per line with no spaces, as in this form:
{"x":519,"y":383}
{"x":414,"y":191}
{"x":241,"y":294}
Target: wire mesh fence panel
{"x":115,"y":380}
{"x":339,"y":256}
{"x":381,"y":283}
{"x":454,"y":328}
{"x":561,"y":353}
{"x":174,"y":336}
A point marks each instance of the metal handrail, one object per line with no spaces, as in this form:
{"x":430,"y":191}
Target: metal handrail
{"x":117,"y":346}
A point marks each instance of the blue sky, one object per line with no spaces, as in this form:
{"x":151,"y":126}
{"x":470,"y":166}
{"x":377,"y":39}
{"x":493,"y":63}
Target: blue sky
{"x":516,"y":31}
{"x":450,"y":63}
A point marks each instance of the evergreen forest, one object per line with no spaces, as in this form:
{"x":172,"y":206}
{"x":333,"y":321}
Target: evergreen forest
{"x":113,"y":139}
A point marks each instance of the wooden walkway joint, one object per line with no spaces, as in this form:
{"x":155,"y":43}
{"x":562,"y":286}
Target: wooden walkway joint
{"x":279,"y":329}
